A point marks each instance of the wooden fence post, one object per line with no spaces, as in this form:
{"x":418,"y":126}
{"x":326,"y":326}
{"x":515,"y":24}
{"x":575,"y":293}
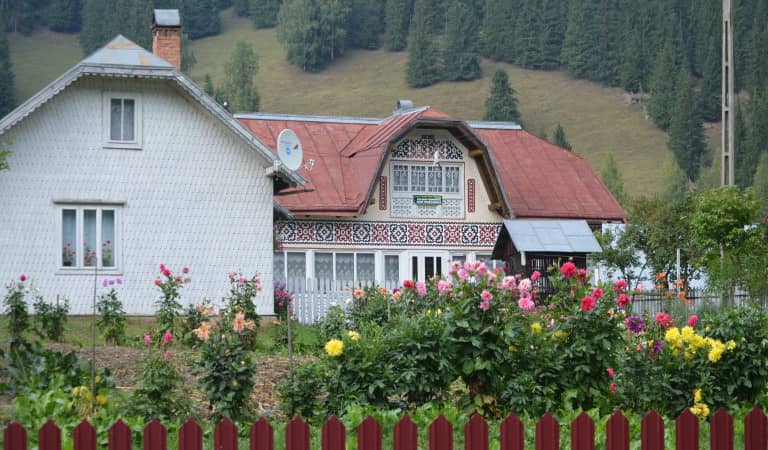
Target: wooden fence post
{"x":84,"y":436}
{"x":119,"y":436}
{"x":14,"y":437}
{"x":476,"y":433}
{"x":617,"y":432}
{"x":687,"y":431}
{"x":297,"y":435}
{"x":262,"y":435}
{"x":583,"y":433}
{"x":405,"y":434}
{"x":547,"y":433}
{"x":369,"y":435}
{"x":721,"y":431}
{"x":511,"y":433}
{"x":225,"y":435}
{"x":155,"y":436}
{"x":441,"y":434}
{"x":190,"y":436}
{"x":755,"y":430}
{"x":49,"y":437}
{"x":333,"y":434}
{"x":652,"y":432}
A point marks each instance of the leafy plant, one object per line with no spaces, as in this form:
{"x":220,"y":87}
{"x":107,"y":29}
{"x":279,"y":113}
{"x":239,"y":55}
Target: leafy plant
{"x":16,"y":309}
{"x":194,"y":317}
{"x":242,"y":292}
{"x":300,"y":395}
{"x":111,"y":320}
{"x":283,"y":300}
{"x":168,"y":307}
{"x":50,"y":319}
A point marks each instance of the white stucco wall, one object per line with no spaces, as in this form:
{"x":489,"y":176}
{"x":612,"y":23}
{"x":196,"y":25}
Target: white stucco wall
{"x":194,"y":195}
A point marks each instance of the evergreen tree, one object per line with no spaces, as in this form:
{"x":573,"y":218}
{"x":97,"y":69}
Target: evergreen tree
{"x":635,"y":68}
{"x":580,"y":54}
{"x":676,"y":185}
{"x":743,"y":172}
{"x":7,"y":100}
{"x":686,"y":129}
{"x":501,"y":104}
{"x":201,"y":18}
{"x":364,"y":24}
{"x":554,"y":25}
{"x":208,"y":85}
{"x":498,"y":36}
{"x":560,"y":140}
{"x":93,"y":34}
{"x":313,"y":32}
{"x":223,"y":4}
{"x":101,"y":25}
{"x":422,"y":68}
{"x":187,"y":56}
{"x":608,"y":51}
{"x":711,"y":85}
{"x":64,"y":15}
{"x":761,"y":182}
{"x":461,"y":56}
{"x":529,"y":28}
{"x":756,"y":137}
{"x":662,"y":88}
{"x":612,"y":179}
{"x":238,"y":88}
{"x":757,"y":62}
{"x":242,"y":7}
{"x":23,"y":16}
{"x":397,"y":21}
{"x":264,"y":12}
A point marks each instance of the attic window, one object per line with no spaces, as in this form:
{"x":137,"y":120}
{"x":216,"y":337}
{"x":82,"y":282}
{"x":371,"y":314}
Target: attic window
{"x":122,"y":120}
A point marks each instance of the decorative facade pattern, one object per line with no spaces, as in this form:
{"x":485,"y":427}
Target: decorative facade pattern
{"x":388,"y":233}
{"x":382,"y":193}
{"x":471,"y":195}
{"x":425,"y":146}
{"x":405,"y":207}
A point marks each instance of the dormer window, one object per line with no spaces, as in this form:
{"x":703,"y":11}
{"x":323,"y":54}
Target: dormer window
{"x":427,"y":190}
{"x":122,"y":120}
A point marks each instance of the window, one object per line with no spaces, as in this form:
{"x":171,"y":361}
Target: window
{"x":392,"y":270}
{"x":89,"y":237}
{"x":418,"y":178}
{"x":452,"y":179}
{"x":122,"y":120}
{"x":278,"y":266}
{"x":435,"y":179}
{"x":324,"y":266}
{"x":426,"y":190}
{"x":424,"y":177}
{"x":296,"y":266}
{"x":400,"y":178}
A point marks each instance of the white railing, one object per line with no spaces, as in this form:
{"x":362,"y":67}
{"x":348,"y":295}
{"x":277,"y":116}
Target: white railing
{"x":313,"y":297}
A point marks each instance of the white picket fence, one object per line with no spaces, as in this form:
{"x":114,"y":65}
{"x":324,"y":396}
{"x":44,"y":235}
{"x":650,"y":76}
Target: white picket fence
{"x":313,"y":297}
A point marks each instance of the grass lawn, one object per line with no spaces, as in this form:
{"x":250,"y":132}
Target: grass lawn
{"x":598,"y":121}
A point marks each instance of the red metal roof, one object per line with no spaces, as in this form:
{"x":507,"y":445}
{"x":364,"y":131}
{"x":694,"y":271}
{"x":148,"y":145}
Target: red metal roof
{"x":540,"y":179}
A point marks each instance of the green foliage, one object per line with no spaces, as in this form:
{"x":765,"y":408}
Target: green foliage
{"x":761,"y":183}
{"x":242,"y":7}
{"x":422,"y":68}
{"x":498,"y":32}
{"x":334,"y":324}
{"x":282,"y":300}
{"x":7,"y":99}
{"x":559,"y":138}
{"x":201,"y":18}
{"x":226,"y":369}
{"x":756,"y":136}
{"x":462,"y":53}
{"x":238,"y":88}
{"x":743,"y":165}
{"x":111,"y":320}
{"x":15,"y":308}
{"x":612,"y":179}
{"x":663,"y":89}
{"x":313,"y":32}
{"x":50,"y":318}
{"x":64,"y":15}
{"x":370,"y":306}
{"x":305,"y":339}
{"x":299,"y":394}
{"x":168,"y":307}
{"x":159,"y":389}
{"x":101,"y":24}
{"x":501,"y":104}
{"x":620,"y":254}
{"x":264,"y":12}
{"x":242,"y":293}
{"x":686,"y":130}
{"x":364,"y":24}
{"x":397,"y":20}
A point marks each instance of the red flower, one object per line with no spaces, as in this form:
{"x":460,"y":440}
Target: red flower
{"x":664,"y":319}
{"x":693,"y":320}
{"x":162,"y":267}
{"x":622,"y":300}
{"x":535,"y":275}
{"x":178,"y":279}
{"x":158,"y":282}
{"x":611,"y":373}
{"x":23,"y":278}
{"x":597,"y":293}
{"x":587,"y":304}
{"x":613,"y":388}
{"x":582,"y":275}
{"x":167,"y":273}
{"x":408,"y":284}
{"x":185,"y":270}
{"x":568,"y":269}
{"x":620,"y":286}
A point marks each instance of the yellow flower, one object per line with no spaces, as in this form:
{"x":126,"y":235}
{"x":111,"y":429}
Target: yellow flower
{"x":701,"y":410}
{"x":730,"y":345}
{"x":438,"y":311}
{"x":687,"y":333}
{"x":98,"y":378}
{"x":429,"y":312}
{"x":697,"y":395}
{"x":512,"y":349}
{"x":100,"y":399}
{"x":535,"y":328}
{"x":354,"y":335}
{"x":334,"y":347}
{"x":560,"y":336}
{"x":716,"y":352}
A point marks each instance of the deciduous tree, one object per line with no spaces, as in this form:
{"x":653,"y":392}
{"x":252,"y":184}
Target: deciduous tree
{"x":238,"y":88}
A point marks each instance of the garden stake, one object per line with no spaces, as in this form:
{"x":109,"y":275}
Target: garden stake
{"x":93,"y":337}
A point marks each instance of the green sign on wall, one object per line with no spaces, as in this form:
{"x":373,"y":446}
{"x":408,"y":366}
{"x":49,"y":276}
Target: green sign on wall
{"x":428,"y":199}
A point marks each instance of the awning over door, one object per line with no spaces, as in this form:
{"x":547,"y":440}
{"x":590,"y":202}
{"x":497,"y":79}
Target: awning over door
{"x":546,"y":236}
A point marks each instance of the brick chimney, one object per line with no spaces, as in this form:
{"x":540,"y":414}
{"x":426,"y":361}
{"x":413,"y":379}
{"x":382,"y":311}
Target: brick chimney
{"x":166,"y":35}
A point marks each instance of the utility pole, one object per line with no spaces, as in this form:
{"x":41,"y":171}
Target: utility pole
{"x":727,"y":173}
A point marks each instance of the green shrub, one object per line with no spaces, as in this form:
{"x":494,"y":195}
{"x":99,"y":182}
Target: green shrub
{"x":168,"y":307}
{"x":334,"y":325}
{"x":15,"y":307}
{"x":111,"y":320}
{"x":301,"y":395}
{"x":50,"y":319}
{"x":194,"y":317}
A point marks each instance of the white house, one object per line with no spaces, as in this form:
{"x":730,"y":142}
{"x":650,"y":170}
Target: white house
{"x":122,"y":164}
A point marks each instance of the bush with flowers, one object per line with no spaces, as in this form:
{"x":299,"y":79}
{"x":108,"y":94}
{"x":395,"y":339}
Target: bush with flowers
{"x":194,"y":317}
{"x":168,"y":306}
{"x":111,"y":320}
{"x":282,"y":300}
{"x":50,"y":318}
{"x":15,"y":308}
{"x":225,"y":365}
{"x":242,"y":292}
{"x":160,"y":386}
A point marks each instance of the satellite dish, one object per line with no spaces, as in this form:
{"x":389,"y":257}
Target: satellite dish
{"x":289,"y":149}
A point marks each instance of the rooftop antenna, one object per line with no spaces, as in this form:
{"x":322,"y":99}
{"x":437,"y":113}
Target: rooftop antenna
{"x":726,"y":142}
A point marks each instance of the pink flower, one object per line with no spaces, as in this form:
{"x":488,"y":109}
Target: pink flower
{"x":622,"y":300}
{"x":582,"y":273}
{"x":611,"y":373}
{"x":507,"y":282}
{"x":524,"y":285}
{"x":421,"y":288}
{"x":162,"y":267}
{"x":167,"y":337}
{"x":587,"y":304}
{"x":664,"y":319}
{"x":111,"y":282}
{"x":239,"y":324}
{"x":485,"y":305}
{"x":119,"y":280}
{"x":485,"y":295}
{"x":241,"y":280}
{"x":147,"y":339}
{"x":535,"y":275}
{"x":492,"y":276}
{"x":463,"y":274}
{"x":104,"y":283}
{"x":693,"y":320}
{"x":167,"y":272}
{"x":568,"y":269}
{"x":177,"y":278}
{"x":22,"y":278}
{"x":620,"y":286}
{"x":443,"y":287}
{"x":613,"y":388}
{"x":526,"y":304}
{"x":597,"y":293}
{"x":158,"y":282}
{"x":167,"y":354}
{"x":185,"y":270}
{"x":482,"y":269}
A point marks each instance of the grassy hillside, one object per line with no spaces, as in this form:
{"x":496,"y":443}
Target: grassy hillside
{"x":598,"y":120}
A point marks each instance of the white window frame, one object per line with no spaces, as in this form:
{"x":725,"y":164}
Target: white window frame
{"x":410,"y":193}
{"x":80,"y":267}
{"x":136,"y":143}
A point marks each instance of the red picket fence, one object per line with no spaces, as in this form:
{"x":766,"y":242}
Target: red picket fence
{"x":405,"y":435}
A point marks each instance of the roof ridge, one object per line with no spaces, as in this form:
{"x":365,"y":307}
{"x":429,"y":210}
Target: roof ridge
{"x":309,"y":118}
